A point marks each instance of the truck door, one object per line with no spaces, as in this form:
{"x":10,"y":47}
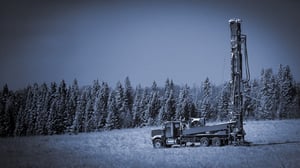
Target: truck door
{"x":172,"y":129}
{"x":176,"y":130}
{"x":169,"y":130}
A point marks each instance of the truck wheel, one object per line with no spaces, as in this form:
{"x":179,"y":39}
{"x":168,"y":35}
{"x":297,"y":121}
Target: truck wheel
{"x":204,"y":141}
{"x":157,"y":143}
{"x":216,"y":141}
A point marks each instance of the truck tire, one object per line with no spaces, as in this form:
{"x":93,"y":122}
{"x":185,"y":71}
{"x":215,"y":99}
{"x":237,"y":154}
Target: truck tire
{"x":204,"y":141}
{"x":157,"y":143}
{"x":216,"y":141}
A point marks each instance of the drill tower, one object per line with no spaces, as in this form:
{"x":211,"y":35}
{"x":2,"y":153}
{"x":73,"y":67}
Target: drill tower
{"x":238,"y":43}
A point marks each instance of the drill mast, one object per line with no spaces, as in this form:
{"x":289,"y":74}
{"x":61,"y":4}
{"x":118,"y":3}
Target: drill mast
{"x":238,"y":43}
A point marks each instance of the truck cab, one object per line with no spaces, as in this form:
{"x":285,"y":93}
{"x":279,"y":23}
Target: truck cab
{"x":168,"y":135}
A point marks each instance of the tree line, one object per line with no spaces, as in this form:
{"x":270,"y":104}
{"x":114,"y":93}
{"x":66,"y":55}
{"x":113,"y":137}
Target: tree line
{"x":58,"y":108}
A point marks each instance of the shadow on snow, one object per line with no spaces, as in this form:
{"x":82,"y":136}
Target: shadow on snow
{"x":275,"y":143}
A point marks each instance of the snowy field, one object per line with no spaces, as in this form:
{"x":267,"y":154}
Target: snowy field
{"x":274,"y":144}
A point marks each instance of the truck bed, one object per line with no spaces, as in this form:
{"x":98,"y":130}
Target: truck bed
{"x":205,"y":129}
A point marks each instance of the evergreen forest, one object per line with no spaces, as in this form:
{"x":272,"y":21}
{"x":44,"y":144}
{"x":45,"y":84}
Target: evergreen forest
{"x":59,"y":108}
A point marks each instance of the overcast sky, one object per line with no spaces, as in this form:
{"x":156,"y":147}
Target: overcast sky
{"x":186,"y":41}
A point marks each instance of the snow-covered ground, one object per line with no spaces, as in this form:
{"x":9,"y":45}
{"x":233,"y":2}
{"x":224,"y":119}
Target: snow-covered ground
{"x":274,"y":144}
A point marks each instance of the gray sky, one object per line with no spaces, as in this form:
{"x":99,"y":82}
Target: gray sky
{"x":145,"y":40}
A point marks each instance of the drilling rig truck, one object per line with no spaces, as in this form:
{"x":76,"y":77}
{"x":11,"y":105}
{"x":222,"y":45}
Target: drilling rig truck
{"x":195,"y":132}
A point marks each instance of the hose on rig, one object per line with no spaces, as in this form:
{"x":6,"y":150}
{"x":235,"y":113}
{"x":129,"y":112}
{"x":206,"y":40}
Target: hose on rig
{"x":247,"y":71}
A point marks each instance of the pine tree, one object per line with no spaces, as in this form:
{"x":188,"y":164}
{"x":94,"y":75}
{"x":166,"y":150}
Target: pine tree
{"x":21,"y":117}
{"x":102,"y":105}
{"x":183,"y":111}
{"x":136,"y":109}
{"x":78,"y":121}
{"x":119,"y":101}
{"x":162,"y":116}
{"x":91,"y":113}
{"x":168,"y":109}
{"x":143,"y":107}
{"x":267,"y":95}
{"x":31,"y":109}
{"x":127,"y":104}
{"x":167,"y":90}
{"x":168,"y":104}
{"x":42,"y":109}
{"x":153,"y":106}
{"x":206,"y":108}
{"x":3,"y":115}
{"x":7,"y":118}
{"x":128,"y":94}
{"x":60,"y":119}
{"x":73,"y":97}
{"x":255,"y":103}
{"x":20,"y":113}
{"x":113,"y":118}
{"x":224,"y":102}
{"x":287,"y":92}
{"x":53,"y":107}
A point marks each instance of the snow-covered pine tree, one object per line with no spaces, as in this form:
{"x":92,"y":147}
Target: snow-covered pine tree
{"x":59,"y":123}
{"x":78,"y":121}
{"x":168,"y":109}
{"x":274,"y":89}
{"x":42,"y":109}
{"x":127,"y":104}
{"x":119,"y":102}
{"x":102,"y":105}
{"x":255,"y":99}
{"x":267,"y":94}
{"x":206,"y":108}
{"x":168,"y":104}
{"x":193,"y":112}
{"x":7,"y":118}
{"x":96,"y":108}
{"x":128,"y":93}
{"x":167,"y":90}
{"x":73,"y":97}
{"x":143,"y":107}
{"x":224,"y":102}
{"x":196,"y":95}
{"x":53,"y":107}
{"x":119,"y":95}
{"x":20,"y":113}
{"x":113,"y":117}
{"x":89,"y":111}
{"x":136,"y":110}
{"x":22,"y":122}
{"x":162,"y":116}
{"x":3,"y":115}
{"x":287,"y":92}
{"x":91,"y":114}
{"x":153,"y":105}
{"x":183,"y":111}
{"x":31,"y":110}
{"x":96,"y":112}
{"x":280,"y":79}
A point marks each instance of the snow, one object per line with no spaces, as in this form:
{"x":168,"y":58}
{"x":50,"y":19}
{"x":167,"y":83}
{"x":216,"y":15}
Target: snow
{"x":274,"y":144}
